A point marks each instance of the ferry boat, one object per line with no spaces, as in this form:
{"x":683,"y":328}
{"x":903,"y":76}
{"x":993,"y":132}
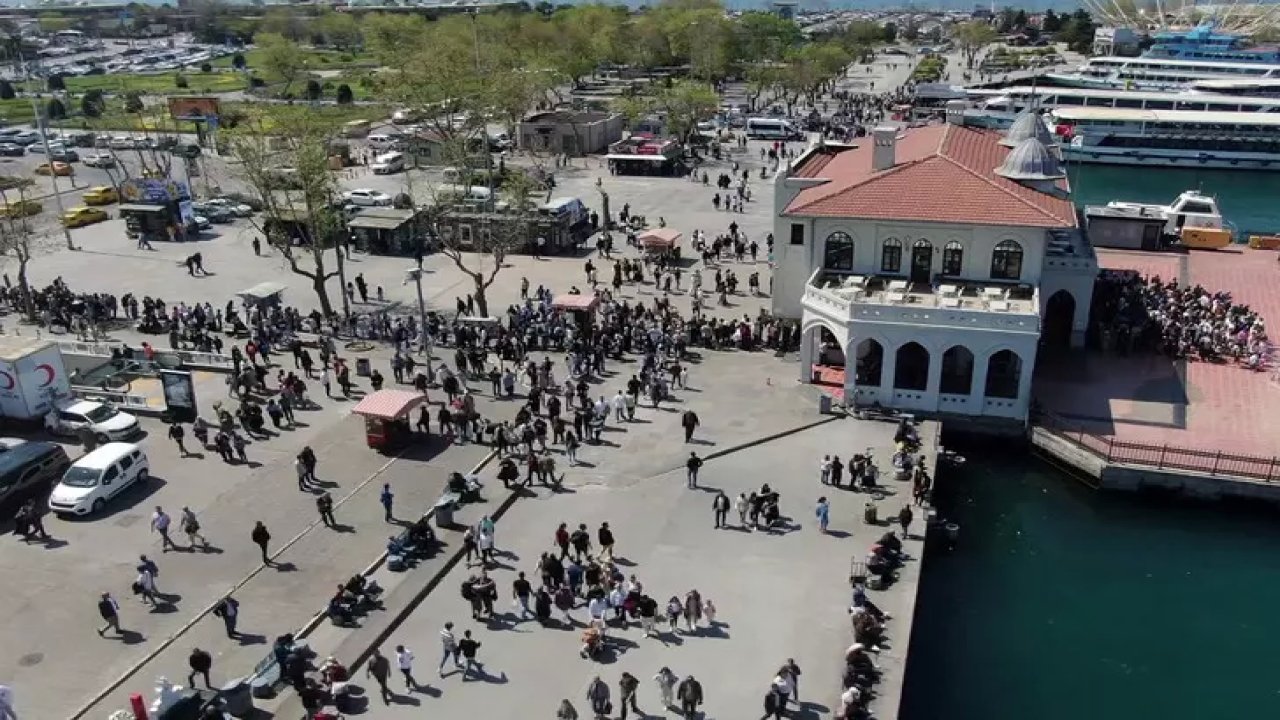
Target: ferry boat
{"x":1191,"y":209}
{"x":1262,"y":87}
{"x":999,"y":108}
{"x":1203,"y":42}
{"x":1156,"y":73}
{"x":1169,"y":138}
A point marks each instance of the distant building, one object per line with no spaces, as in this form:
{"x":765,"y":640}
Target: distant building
{"x":785,"y":9}
{"x":1119,"y":41}
{"x":572,"y":132}
{"x":929,"y":266}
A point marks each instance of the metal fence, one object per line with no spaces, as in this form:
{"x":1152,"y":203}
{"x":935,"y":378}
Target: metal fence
{"x":1163,"y":457}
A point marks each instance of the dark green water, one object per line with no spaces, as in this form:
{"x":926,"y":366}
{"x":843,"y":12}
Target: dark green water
{"x":1062,"y":603}
{"x":1248,"y":199}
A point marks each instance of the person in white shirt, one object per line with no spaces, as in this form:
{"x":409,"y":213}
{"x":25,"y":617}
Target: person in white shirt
{"x":620,"y":406}
{"x":782,"y":686}
{"x":449,"y":647}
{"x":404,"y":661}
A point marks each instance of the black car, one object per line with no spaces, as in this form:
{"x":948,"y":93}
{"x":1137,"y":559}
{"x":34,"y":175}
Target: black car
{"x":11,"y":150}
{"x":28,"y":470}
{"x":65,"y":155}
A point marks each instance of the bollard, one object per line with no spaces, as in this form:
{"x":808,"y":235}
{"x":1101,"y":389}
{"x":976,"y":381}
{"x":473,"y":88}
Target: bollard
{"x":139,"y":707}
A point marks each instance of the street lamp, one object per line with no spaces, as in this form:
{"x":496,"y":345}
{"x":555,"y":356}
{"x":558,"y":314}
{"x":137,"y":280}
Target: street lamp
{"x":414,"y":275}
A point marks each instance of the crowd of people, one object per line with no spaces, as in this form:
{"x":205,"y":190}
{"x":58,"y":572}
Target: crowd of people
{"x":1134,"y":313}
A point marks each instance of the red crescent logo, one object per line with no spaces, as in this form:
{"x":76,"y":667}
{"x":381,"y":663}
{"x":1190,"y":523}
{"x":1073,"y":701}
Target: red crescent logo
{"x":8,"y":379}
{"x":49,"y":374}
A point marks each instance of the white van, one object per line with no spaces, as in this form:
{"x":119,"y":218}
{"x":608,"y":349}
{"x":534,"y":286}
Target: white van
{"x":383,"y":141}
{"x":772,"y":129}
{"x":388,"y":163}
{"x":97,"y":477}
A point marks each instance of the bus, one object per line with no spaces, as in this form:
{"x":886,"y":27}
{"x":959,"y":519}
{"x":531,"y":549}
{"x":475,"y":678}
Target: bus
{"x":772,"y":129}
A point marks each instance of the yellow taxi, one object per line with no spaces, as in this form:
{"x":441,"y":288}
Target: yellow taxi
{"x":103,"y":195}
{"x":20,"y":208}
{"x":54,"y":168}
{"x":81,"y":216}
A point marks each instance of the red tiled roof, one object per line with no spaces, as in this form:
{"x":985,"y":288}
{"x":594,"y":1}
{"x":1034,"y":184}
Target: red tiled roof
{"x":943,"y":173}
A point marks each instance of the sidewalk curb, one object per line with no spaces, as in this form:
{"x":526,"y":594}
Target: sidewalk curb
{"x":773,"y":436}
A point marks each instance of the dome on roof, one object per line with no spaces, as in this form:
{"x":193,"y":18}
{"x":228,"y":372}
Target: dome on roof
{"x":1030,"y":160}
{"x":1028,"y":124}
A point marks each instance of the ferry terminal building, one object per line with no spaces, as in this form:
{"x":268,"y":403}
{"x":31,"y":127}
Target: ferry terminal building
{"x":931,"y":265}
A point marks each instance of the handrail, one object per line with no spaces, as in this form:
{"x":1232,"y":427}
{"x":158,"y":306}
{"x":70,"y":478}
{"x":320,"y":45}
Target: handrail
{"x":122,"y":399}
{"x":1163,"y":457}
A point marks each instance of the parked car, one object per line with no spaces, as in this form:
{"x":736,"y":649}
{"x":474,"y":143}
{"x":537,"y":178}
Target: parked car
{"x":238,"y":209}
{"x":12,"y":150}
{"x":100,"y":160}
{"x":20,"y":208}
{"x":98,"y":477}
{"x":101,"y":195}
{"x":214,"y":213}
{"x":365,"y":196}
{"x":186,"y":150}
{"x":104,"y":421}
{"x":26,"y":137}
{"x":54,"y":168}
{"x":65,"y":155}
{"x":81,"y":216}
{"x":29,"y":469}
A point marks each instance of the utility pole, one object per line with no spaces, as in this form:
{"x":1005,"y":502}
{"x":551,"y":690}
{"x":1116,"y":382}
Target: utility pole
{"x":414,"y":275}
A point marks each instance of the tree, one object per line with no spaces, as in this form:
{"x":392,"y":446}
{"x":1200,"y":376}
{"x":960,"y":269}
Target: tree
{"x":765,"y":36}
{"x":6,"y":90}
{"x":238,"y":62}
{"x":55,"y":110}
{"x":18,"y":239}
{"x":281,"y":58}
{"x":1051,"y":22}
{"x":971,"y":37}
{"x":343,"y":95}
{"x":180,"y":81}
{"x":314,"y":91}
{"x":685,"y":104}
{"x":298,"y":217}
{"x":284,"y":22}
{"x":206,"y":67}
{"x":338,"y":29}
{"x":55,"y":83}
{"x":92,"y":104}
{"x":1077,"y":32}
{"x":133,"y":102}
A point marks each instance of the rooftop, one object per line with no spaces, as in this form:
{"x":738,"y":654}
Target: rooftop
{"x":943,"y":173}
{"x":950,"y":295}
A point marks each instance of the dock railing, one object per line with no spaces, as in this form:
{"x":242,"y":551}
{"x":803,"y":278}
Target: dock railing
{"x":1162,"y":457}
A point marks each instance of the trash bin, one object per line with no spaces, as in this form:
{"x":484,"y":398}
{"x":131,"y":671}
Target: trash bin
{"x":824,"y":404}
{"x":362,"y":367}
{"x":237,"y":698}
{"x":870,"y":515}
{"x":444,"y":512}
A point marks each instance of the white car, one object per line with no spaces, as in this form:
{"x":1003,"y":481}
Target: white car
{"x":367,"y":197}
{"x":99,"y":160}
{"x":122,"y":142}
{"x":104,"y":421}
{"x":98,"y":477}
{"x":231,"y":206}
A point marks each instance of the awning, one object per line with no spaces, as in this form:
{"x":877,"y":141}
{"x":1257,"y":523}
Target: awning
{"x":139,"y":207}
{"x":376,"y":223}
{"x":262,"y":290}
{"x":650,"y":158}
{"x":388,"y":404}
{"x":575,"y":302}
{"x":660,"y":238}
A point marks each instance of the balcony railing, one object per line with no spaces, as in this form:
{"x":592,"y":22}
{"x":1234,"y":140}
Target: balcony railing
{"x":844,"y":294}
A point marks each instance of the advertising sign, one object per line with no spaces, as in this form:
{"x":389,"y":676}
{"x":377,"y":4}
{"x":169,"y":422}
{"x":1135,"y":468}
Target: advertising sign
{"x":152,"y":191}
{"x":179,"y":394}
{"x":193,"y":108}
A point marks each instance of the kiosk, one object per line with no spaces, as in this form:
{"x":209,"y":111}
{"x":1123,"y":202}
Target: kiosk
{"x":582,"y":308}
{"x":386,"y":417}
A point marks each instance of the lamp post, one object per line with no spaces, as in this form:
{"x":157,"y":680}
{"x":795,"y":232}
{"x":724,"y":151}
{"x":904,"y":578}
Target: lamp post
{"x":414,"y":275}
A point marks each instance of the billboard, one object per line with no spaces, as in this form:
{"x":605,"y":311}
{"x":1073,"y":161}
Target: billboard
{"x":179,"y":394}
{"x":153,"y":191}
{"x":193,"y":108}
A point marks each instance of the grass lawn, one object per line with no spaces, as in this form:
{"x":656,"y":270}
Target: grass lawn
{"x":17,"y":110}
{"x":272,"y":118}
{"x":160,"y":84}
{"x":317,"y":59}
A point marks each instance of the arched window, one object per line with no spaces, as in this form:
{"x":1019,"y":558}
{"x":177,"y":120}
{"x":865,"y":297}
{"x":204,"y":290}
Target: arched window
{"x":838,"y":252}
{"x":1004,"y":374}
{"x":869,"y":360}
{"x":957,"y":371}
{"x":891,"y":256}
{"x":911,"y":368}
{"x":952,"y":258}
{"x":1006,"y":261}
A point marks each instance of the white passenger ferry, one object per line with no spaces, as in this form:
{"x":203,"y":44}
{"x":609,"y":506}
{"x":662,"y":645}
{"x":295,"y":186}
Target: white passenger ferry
{"x":1155,"y":73}
{"x":1169,"y":138}
{"x":999,"y":108}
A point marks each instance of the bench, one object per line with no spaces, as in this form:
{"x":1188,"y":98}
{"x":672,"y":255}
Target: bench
{"x":268,"y":675}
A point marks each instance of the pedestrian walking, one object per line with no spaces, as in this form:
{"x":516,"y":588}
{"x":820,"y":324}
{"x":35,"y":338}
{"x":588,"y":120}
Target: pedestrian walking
{"x":191,"y":528}
{"x":160,"y":523}
{"x":261,"y":537}
{"x":6,"y":704}
{"x":742,"y":505}
{"x":468,"y":646}
{"x":521,"y":590}
{"x":666,"y":681}
{"x":689,"y":420}
{"x":904,"y":518}
{"x":627,"y":687}
{"x":690,"y":695}
{"x":324,"y":503}
{"x":720,"y":506}
{"x":177,"y":434}
{"x":693,"y":465}
{"x":109,"y":609}
{"x":674,"y":610}
{"x":692,"y":609}
{"x":793,"y":670}
{"x":228,"y":608}
{"x":449,"y":647}
{"x":605,"y":536}
{"x":404,"y":661}
{"x":237,"y":442}
{"x":823,"y":513}
{"x":598,"y":696}
{"x":379,"y":668}
{"x":300,"y":468}
{"x":200,"y":662}
{"x":566,"y":711}
{"x":386,"y":498}
{"x":581,"y":541}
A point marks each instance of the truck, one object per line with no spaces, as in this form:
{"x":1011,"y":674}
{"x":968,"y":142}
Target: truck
{"x":32,"y":376}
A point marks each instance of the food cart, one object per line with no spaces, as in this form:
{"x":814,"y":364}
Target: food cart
{"x":582,"y":308}
{"x":660,"y":241}
{"x":386,"y":417}
{"x":264,"y":295}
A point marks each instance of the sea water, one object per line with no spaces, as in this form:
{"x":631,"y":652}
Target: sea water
{"x":1061,"y":602}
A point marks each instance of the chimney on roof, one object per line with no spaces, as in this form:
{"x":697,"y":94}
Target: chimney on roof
{"x":955,"y":112}
{"x":883,"y":151}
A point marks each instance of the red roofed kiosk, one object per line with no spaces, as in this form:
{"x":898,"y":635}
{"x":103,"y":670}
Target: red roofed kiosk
{"x":386,"y":417}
